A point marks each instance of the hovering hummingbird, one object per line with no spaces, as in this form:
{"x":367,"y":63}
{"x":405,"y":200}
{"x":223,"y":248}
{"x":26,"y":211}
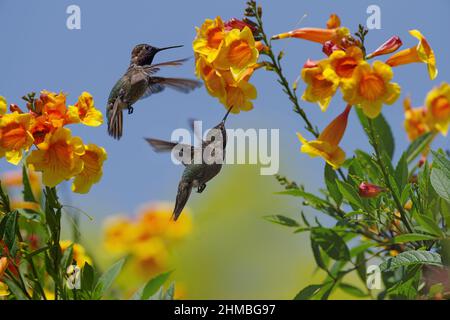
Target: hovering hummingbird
{"x":139,"y":82}
{"x":195,"y":175}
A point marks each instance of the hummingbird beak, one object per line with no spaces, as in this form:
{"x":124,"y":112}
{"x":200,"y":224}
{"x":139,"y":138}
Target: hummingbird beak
{"x":165,"y":48}
{"x":226,"y":115}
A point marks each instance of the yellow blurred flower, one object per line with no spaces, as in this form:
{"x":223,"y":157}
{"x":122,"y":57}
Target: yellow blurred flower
{"x":58,"y":157}
{"x":4,"y":290}
{"x":209,"y":38}
{"x":92,"y":172}
{"x":421,"y":53}
{"x":79,"y":253}
{"x":345,"y":62}
{"x":3,"y":106}
{"x":416,"y":122}
{"x":322,"y":83}
{"x":437,"y":103}
{"x":238,"y":52}
{"x":118,"y":234}
{"x":85,"y":112}
{"x":370,"y":88}
{"x":14,"y":136}
{"x":148,"y":238}
{"x":327,"y":144}
{"x":54,"y":107}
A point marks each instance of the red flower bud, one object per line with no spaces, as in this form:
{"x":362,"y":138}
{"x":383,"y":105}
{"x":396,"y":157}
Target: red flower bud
{"x":310,"y":64}
{"x":329,"y":47}
{"x":391,"y":45}
{"x":234,"y":23}
{"x":369,"y":190}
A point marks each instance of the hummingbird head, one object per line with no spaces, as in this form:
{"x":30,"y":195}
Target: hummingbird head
{"x":143,"y":54}
{"x":223,"y":130}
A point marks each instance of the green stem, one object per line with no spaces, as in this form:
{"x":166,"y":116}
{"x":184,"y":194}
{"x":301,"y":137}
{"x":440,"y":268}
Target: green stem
{"x":373,"y":140}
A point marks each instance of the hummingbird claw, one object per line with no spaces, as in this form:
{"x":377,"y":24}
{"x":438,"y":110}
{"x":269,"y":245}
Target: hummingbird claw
{"x":201,"y":188}
{"x":130,"y":110}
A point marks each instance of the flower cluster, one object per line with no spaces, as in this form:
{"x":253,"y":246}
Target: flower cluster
{"x":434,"y":116}
{"x":148,"y":238}
{"x":226,"y":56}
{"x":58,"y":155}
{"x":346,"y":67}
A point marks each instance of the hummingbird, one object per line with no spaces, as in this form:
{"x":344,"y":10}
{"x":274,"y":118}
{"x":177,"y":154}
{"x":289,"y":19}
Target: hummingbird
{"x":195,"y":175}
{"x":139,"y":82}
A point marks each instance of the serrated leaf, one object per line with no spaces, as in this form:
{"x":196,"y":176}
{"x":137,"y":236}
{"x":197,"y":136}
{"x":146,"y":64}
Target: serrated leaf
{"x":411,"y":258}
{"x":330,"y":181}
{"x":441,"y":162}
{"x":331,"y":243}
{"x":106,"y":280}
{"x":282,"y":220}
{"x":440,"y":183}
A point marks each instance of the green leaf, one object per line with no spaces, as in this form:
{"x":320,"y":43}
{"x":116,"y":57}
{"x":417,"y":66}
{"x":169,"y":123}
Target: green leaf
{"x":411,"y":258}
{"x":106,"y":280}
{"x":331,"y":243}
{"x":282,"y":220}
{"x":87,"y":277}
{"x":440,"y":183}
{"x":314,"y":200}
{"x":441,"y":162}
{"x":407,"y":287}
{"x":9,"y":230}
{"x":330,"y":181}
{"x":154,"y":284}
{"x":352,"y":290}
{"x":15,"y":289}
{"x":417,"y":146}
{"x":429,"y":225}
{"x":27,"y":190}
{"x":361,"y":267}
{"x":401,"y":172}
{"x":30,"y":215}
{"x":66,"y":259}
{"x":170,"y":292}
{"x":318,"y":255}
{"x":382,"y":130}
{"x":349,"y":193}
{"x":409,"y":237}
{"x":308,"y":292}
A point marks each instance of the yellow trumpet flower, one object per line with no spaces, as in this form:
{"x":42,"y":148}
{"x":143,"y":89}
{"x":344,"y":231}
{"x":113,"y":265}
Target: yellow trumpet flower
{"x":437,"y":103}
{"x":327,"y":144}
{"x":420,"y":53}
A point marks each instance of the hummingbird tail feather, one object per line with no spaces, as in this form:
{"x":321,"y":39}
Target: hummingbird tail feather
{"x":115,"y":125}
{"x":184,"y":191}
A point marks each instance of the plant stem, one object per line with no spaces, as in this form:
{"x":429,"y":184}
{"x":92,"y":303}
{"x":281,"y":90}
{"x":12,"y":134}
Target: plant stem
{"x":386,"y":179}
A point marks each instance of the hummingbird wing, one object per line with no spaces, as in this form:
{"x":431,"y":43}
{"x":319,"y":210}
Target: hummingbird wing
{"x":184,"y":191}
{"x":154,"y":68}
{"x":167,"y":146}
{"x":158,"y":84}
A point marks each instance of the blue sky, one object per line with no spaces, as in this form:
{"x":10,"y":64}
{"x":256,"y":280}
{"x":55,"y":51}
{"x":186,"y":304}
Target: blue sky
{"x":39,"y":52}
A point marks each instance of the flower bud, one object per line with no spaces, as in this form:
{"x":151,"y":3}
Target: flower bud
{"x":391,"y":45}
{"x":369,"y":190}
{"x":329,"y":47}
